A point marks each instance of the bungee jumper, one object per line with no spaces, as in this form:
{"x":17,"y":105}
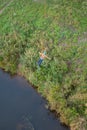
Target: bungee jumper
{"x":42,"y":57}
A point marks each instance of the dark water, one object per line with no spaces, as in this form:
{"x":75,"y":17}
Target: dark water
{"x":21,"y":108}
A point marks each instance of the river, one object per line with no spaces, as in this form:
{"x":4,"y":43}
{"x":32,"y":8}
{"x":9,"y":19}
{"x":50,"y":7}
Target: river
{"x":22,"y":108}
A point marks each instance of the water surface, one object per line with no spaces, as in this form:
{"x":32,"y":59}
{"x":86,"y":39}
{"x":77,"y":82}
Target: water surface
{"x":22,"y":108}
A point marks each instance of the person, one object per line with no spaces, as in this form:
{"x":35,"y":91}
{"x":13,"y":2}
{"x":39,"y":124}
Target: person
{"x":42,"y":57}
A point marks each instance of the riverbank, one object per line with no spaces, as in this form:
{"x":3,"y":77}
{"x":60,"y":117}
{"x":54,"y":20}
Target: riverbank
{"x":28,"y":27}
{"x":22,"y":107}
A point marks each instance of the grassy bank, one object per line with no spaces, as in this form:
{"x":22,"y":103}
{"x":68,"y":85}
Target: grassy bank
{"x":26,"y":27}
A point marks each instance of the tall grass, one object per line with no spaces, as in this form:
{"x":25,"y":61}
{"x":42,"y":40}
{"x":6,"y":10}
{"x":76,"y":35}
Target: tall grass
{"x":26,"y":27}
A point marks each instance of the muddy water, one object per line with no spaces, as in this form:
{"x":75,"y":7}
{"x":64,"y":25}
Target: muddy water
{"x":22,"y":108}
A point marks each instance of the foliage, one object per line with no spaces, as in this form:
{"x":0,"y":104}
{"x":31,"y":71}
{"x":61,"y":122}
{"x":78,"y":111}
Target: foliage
{"x":26,"y":27}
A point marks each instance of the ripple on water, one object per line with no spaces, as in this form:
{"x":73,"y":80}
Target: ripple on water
{"x":25,"y":124}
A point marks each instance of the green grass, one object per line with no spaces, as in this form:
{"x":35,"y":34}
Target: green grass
{"x":3,"y":3}
{"x":25,"y":28}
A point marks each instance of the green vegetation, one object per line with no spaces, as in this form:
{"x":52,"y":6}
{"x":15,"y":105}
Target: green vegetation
{"x":26,"y":26}
{"x":3,"y":3}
